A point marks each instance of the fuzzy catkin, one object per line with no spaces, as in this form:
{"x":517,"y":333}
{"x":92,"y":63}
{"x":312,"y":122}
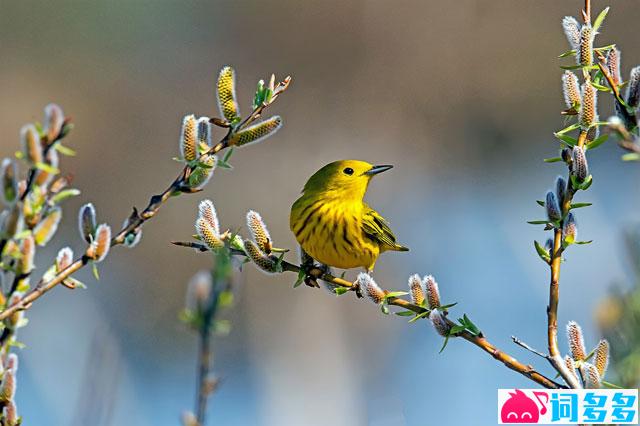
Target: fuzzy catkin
{"x":259,"y":231}
{"x":208,"y":234}
{"x":571,"y":366}
{"x":207,"y":211}
{"x":571,"y":29}
{"x":188,"y":141}
{"x":633,"y":89}
{"x":64,"y":259}
{"x":47,"y":227}
{"x":576,"y":341}
{"x":553,"y":208}
{"x":594,"y":381}
{"x":9,"y":173}
{"x":433,"y":293}
{"x":227,"y":94}
{"x":585,"y":52}
{"x":102,"y":243}
{"x":31,"y":145}
{"x":588,"y":108}
{"x":416,"y":289}
{"x":87,"y":221}
{"x":580,"y":164}
{"x":257,"y":132}
{"x":439,"y":322}
{"x":261,"y":260}
{"x":53,"y":121}
{"x":201,"y":174}
{"x":370,"y":288}
{"x":613,"y":65}
{"x":601,"y":357}
{"x":570,"y":89}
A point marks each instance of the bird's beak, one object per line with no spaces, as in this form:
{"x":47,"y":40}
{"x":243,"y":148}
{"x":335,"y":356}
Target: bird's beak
{"x":378,"y":169}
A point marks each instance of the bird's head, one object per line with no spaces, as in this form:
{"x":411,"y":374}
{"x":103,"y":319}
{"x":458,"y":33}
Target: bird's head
{"x":348,"y":178}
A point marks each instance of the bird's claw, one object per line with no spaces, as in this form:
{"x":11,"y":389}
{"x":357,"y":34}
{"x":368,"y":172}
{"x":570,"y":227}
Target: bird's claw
{"x":356,"y":288}
{"x":314,"y":272}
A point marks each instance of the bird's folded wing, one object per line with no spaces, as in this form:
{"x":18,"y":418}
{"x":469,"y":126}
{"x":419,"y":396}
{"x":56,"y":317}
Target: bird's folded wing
{"x":377,"y":228}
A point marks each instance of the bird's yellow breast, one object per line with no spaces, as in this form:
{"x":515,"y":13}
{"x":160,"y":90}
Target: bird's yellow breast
{"x":330,"y":230}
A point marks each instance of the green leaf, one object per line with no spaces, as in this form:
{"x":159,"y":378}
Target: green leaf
{"x":542,"y":252}
{"x":258,"y":99}
{"x":552,"y":159}
{"x":607,"y":47}
{"x":540,"y":203}
{"x":64,"y":194}
{"x":537,"y":222}
{"x":579,"y":67}
{"x":444,"y":345}
{"x":395,"y":294}
{"x":94,"y":269}
{"x":587,"y":183}
{"x":457,"y":329}
{"x":583,"y":242}
{"x":568,"y":140}
{"x":384,"y":308}
{"x":445,"y":307}
{"x":597,"y":142}
{"x":598,"y":22}
{"x":222,"y":327}
{"x":339,"y":291}
{"x":469,"y":325}
{"x":601,"y":87}
{"x":227,"y":155}
{"x":300,"y":279}
{"x":579,"y":205}
{"x":47,"y":168}
{"x":632,"y":156}
{"x":419,"y":316}
{"x":225,"y":299}
{"x":567,"y":53}
{"x":568,"y":129}
{"x":404,"y":313}
{"x":14,"y":343}
{"x":610,"y":385}
{"x":64,"y":150}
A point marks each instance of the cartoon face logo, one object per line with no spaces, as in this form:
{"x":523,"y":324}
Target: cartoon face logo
{"x":519,"y":408}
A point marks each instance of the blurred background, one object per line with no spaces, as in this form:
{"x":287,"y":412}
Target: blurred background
{"x":462,"y":97}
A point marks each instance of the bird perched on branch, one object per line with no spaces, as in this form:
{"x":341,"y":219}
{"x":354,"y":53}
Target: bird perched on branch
{"x":333,"y":224}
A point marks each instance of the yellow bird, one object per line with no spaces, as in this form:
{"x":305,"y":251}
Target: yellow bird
{"x":334,"y":225}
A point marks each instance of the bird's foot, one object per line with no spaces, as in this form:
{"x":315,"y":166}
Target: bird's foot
{"x":314,"y":272}
{"x":356,"y":288}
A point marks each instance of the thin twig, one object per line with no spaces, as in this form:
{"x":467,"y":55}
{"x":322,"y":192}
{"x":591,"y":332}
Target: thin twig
{"x":529,"y":348}
{"x":203,"y":388}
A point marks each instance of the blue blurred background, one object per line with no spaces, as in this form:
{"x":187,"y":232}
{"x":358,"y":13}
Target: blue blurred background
{"x":461,"y":97}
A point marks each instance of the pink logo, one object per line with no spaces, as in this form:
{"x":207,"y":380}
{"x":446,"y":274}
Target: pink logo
{"x":519,"y":408}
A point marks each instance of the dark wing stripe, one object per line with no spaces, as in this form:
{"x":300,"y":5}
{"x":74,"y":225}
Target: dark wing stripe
{"x":345,"y":236}
{"x":305,"y":222}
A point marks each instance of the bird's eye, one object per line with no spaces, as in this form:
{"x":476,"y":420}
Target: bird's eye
{"x":348,"y":171}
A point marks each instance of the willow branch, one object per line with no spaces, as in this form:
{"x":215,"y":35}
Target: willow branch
{"x":179,"y":185}
{"x":555,"y":357}
{"x":478,"y":340}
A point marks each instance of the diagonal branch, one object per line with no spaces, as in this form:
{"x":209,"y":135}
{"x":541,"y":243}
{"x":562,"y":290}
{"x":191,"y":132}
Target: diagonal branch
{"x":478,"y":340}
{"x":136,"y":221}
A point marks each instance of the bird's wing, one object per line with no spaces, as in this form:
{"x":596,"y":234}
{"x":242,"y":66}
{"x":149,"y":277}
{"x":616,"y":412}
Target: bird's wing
{"x":377,"y":228}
